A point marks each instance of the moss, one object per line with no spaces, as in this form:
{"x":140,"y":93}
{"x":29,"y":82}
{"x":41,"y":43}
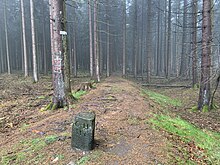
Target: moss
{"x":188,"y":133}
{"x":194,"y":109}
{"x":205,"y":108}
{"x":161,"y":99}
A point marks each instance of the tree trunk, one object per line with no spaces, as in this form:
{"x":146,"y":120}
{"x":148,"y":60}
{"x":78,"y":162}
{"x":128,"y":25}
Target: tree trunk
{"x":66,"y":57}
{"x":59,"y":99}
{"x":90,"y":38}
{"x":6,"y":41}
{"x":108,"y":41}
{"x":158,"y":40}
{"x":168,"y":59}
{"x":96,"y":51}
{"x":205,"y":91}
{"x":149,"y":40}
{"x":135,"y":38}
{"x":124,"y":40}
{"x":183,"y":54}
{"x":35,"y":72}
{"x":44,"y":42}
{"x":24,"y":40}
{"x":194,"y":44}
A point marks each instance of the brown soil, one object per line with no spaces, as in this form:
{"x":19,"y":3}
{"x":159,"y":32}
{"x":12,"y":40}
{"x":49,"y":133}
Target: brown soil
{"x":123,"y":134}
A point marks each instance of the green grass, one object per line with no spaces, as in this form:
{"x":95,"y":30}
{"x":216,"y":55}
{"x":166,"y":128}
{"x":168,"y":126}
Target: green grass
{"x":77,"y":95}
{"x":85,"y":159}
{"x":27,"y":151}
{"x":207,"y":140}
{"x":161,"y":99}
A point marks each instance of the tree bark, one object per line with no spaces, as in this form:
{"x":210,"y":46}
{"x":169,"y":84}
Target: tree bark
{"x":96,"y":51}
{"x":66,"y":57}
{"x":24,"y":40}
{"x":59,"y":98}
{"x":167,"y":70}
{"x":35,"y":72}
{"x":183,"y":54}
{"x":90,"y":38}
{"x":135,"y":38}
{"x":6,"y":41}
{"x":149,"y":40}
{"x":205,"y":91}
{"x":124,"y":40}
{"x":194,"y":43}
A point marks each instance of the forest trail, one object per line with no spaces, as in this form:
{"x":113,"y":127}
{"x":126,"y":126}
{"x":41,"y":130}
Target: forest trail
{"x":122,"y":131}
{"x":123,"y":135}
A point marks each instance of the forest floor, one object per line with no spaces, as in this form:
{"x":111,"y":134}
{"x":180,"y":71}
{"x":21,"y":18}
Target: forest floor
{"x":134,"y":125}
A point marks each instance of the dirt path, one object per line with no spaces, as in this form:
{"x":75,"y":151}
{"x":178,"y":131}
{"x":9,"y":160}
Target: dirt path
{"x":123,"y":135}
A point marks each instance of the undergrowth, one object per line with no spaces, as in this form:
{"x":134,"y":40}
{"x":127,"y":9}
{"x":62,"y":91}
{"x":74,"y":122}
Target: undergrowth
{"x":26,"y":149}
{"x":161,"y":99}
{"x":77,"y":95}
{"x":207,"y":141}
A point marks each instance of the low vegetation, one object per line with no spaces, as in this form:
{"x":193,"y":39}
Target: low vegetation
{"x":193,"y":145}
{"x":162,"y":99}
{"x":27,"y":151}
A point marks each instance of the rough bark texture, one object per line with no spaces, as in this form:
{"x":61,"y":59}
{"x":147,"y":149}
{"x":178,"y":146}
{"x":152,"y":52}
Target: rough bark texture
{"x":59,"y":99}
{"x":66,"y":57}
{"x":205,"y":91}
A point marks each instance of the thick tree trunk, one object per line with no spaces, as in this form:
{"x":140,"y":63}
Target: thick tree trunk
{"x":66,"y":57}
{"x":59,"y":99}
{"x":35,"y":72}
{"x":205,"y":91}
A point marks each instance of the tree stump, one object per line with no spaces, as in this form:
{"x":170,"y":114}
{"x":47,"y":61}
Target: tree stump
{"x":83,"y":130}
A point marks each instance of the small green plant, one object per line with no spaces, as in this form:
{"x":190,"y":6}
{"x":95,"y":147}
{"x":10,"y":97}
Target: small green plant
{"x":50,"y":139}
{"x":162,"y":99}
{"x":24,"y":127}
{"x":85,"y":159}
{"x":28,"y":149}
{"x":133,"y":121}
{"x":78,"y":94}
{"x":207,"y":140}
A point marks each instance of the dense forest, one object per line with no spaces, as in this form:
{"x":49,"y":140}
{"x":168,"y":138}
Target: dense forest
{"x":150,"y":42}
